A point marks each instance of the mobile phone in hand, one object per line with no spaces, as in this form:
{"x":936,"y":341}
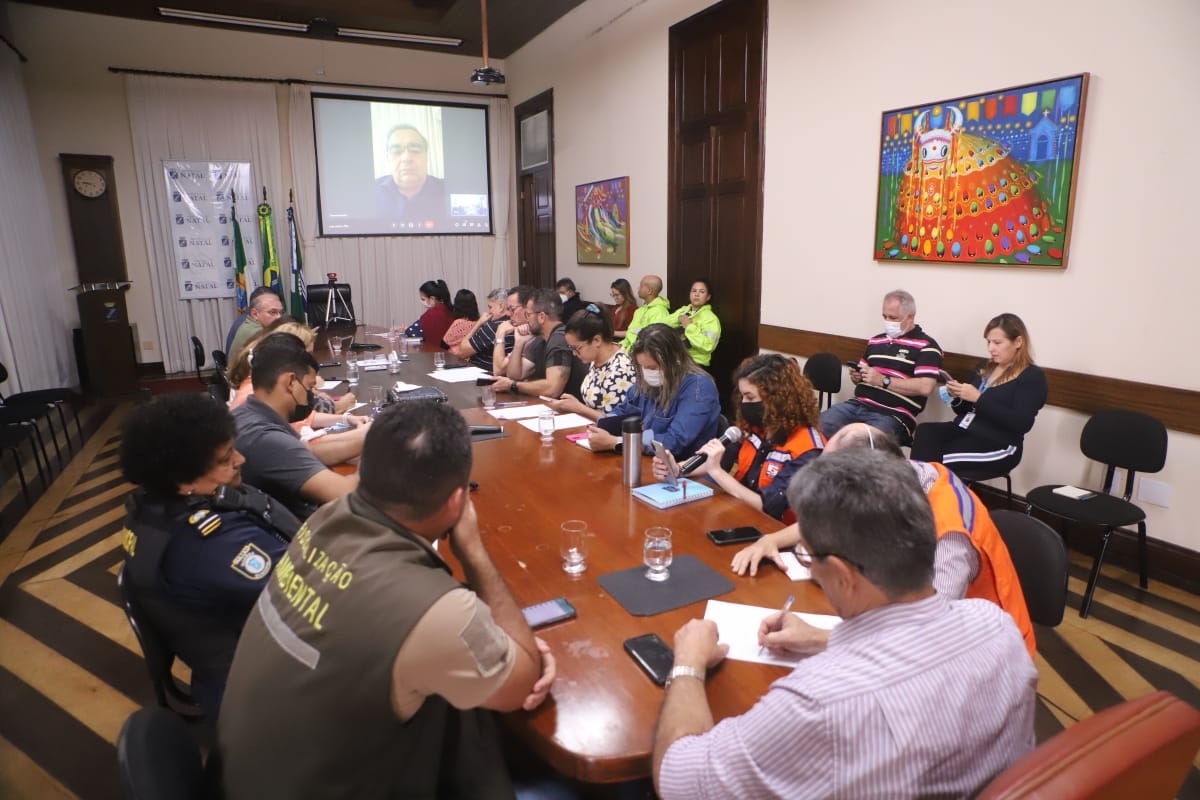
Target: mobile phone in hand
{"x":653,"y":655}
{"x":944,"y":377}
{"x":853,"y":365}
{"x":660,"y":453}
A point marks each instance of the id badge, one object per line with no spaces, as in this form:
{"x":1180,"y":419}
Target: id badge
{"x":967,"y":419}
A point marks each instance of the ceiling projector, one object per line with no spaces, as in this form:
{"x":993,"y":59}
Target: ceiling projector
{"x":486,"y":76}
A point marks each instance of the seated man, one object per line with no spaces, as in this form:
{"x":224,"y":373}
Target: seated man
{"x":265,"y":307}
{"x":971,"y":559}
{"x":478,"y":346}
{"x":654,"y":308}
{"x":366,"y":669}
{"x":556,"y":370}
{"x":283,"y":376}
{"x":516,"y":350}
{"x":895,"y":376}
{"x":571,"y":301}
{"x":915,"y":696}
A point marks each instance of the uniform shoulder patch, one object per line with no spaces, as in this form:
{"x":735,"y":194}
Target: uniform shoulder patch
{"x":199,"y":515}
{"x":252,"y":562}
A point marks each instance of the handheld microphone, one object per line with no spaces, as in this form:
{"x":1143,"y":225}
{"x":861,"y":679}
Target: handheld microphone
{"x":732,"y":434}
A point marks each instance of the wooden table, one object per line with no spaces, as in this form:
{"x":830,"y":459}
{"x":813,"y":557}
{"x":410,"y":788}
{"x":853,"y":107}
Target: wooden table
{"x":598,"y":723}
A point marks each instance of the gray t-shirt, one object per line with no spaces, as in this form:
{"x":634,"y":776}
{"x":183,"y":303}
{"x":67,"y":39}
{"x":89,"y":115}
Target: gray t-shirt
{"x":276,"y":460}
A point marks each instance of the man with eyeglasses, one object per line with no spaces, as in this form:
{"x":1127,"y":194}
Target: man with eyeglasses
{"x":408,"y":194}
{"x":557,"y":370}
{"x":283,"y":375}
{"x":515,"y":350}
{"x":916,"y":695}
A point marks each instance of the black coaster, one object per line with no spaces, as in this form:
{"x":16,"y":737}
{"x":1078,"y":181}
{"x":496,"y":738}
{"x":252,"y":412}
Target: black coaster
{"x":691,"y":581}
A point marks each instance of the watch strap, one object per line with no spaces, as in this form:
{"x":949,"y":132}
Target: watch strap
{"x":685,"y":672}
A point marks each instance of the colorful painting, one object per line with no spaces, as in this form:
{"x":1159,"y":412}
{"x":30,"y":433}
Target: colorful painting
{"x":985,"y":179}
{"x":602,"y":222}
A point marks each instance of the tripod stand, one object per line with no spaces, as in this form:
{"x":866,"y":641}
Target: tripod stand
{"x":337,"y":310}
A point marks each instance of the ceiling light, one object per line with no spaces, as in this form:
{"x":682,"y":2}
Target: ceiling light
{"x":228,"y":19}
{"x":389,"y":36}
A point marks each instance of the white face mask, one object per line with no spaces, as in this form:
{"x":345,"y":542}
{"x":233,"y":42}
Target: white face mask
{"x":891,"y":329}
{"x":652,"y":377}
{"x":563,"y":297}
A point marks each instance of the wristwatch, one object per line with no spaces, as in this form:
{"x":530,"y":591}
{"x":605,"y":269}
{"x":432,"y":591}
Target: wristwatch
{"x":887,"y":381}
{"x":515,"y":390}
{"x":684,"y":672}
{"x":619,"y":447}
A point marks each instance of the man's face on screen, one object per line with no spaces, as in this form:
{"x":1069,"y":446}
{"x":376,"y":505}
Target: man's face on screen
{"x":408,"y":157}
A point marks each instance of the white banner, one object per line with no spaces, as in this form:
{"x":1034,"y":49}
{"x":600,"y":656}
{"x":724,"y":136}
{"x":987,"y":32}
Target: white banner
{"x":199,"y":199}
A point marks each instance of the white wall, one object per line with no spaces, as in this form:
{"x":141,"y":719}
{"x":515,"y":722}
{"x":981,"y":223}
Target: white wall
{"x":1124,"y":307}
{"x":78,"y":106}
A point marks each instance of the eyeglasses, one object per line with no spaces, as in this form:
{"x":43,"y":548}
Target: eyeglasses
{"x":412,"y":148}
{"x":575,"y":348}
{"x":806,"y":558}
{"x":513,"y":309}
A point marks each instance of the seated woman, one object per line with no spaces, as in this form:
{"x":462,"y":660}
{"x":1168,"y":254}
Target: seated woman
{"x":466,"y":318}
{"x":777,"y":411}
{"x":433,"y":324}
{"x":610,"y":375}
{"x":993,"y":411}
{"x":676,"y":400}
{"x":196,"y":559}
{"x":624,"y":304}
{"x":701,"y":328}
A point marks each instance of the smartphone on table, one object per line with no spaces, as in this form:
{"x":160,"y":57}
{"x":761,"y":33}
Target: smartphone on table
{"x":549,"y":612}
{"x":653,"y":655}
{"x":745,"y":533}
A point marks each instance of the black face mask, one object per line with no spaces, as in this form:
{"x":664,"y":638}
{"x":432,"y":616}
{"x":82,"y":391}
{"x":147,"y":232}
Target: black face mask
{"x":753,"y":413}
{"x":301,"y":412}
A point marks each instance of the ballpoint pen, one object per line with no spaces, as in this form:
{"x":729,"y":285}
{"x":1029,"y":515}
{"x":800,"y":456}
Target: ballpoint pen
{"x":509,"y":405}
{"x":787,"y":606}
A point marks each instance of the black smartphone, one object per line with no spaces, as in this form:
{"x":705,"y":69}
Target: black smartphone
{"x":325,"y":364}
{"x":746,"y":533}
{"x":852,"y":364}
{"x":944,"y":376}
{"x":653,"y":655}
{"x":549,"y":612}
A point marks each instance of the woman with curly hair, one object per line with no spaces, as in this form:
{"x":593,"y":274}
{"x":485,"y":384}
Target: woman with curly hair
{"x":777,"y":411}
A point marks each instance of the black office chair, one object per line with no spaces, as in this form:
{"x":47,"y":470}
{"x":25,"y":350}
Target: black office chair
{"x":198,"y":354}
{"x":976,"y":473}
{"x":11,"y":438}
{"x":1040,"y":558}
{"x":1121,"y":439}
{"x":159,"y":658}
{"x":824,"y":370}
{"x":220,"y":360}
{"x":25,"y":418}
{"x":54,"y":398}
{"x":158,"y":759}
{"x":330,"y":305}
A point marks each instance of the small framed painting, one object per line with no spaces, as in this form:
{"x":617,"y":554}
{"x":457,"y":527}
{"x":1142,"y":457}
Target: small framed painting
{"x":602,"y":222}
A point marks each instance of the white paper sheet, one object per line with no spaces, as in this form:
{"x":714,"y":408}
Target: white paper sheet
{"x":795,"y":570}
{"x":401,"y":386}
{"x":368,"y":363}
{"x":561,"y":422}
{"x":737,"y":626}
{"x":329,"y":386}
{"x":516,"y":412}
{"x":459,"y":374}
{"x":583,"y":442}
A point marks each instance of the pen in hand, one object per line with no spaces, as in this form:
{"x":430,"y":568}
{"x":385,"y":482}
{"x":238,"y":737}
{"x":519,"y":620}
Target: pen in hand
{"x":787,"y":606}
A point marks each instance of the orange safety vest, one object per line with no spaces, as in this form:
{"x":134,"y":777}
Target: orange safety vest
{"x":956,"y":508}
{"x":801,"y":441}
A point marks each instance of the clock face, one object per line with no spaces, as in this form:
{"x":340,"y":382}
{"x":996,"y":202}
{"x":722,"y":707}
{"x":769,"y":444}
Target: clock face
{"x":90,"y":183}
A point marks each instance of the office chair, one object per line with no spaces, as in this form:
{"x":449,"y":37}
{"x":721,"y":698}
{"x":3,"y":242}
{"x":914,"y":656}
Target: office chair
{"x":198,"y":355}
{"x":977,"y":473}
{"x":157,"y":654}
{"x":11,"y":437}
{"x":1040,"y":558}
{"x":56,"y":398}
{"x":1141,"y":748}
{"x":158,"y":759}
{"x":1122,"y":439}
{"x":330,"y":304}
{"x":824,"y":370}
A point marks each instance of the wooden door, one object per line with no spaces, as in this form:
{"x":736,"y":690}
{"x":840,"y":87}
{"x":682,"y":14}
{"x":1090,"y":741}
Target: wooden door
{"x":535,"y":196}
{"x":714,"y":216}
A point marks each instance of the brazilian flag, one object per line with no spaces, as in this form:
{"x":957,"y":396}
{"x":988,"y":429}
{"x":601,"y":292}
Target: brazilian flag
{"x":299,"y":305}
{"x":266,"y":229}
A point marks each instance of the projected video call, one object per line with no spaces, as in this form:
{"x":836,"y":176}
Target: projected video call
{"x":387,"y":167}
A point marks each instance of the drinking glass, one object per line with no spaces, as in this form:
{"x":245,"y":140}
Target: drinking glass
{"x":488,"y":395}
{"x":393,"y":363}
{"x":658,"y":553}
{"x":573,"y":546}
{"x":545,"y":424}
{"x":402,"y":348}
{"x":375,"y":393}
{"x":439,"y":360}
{"x":352,"y":371}
{"x":335,"y":344}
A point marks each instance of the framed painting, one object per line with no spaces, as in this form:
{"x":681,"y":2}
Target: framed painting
{"x":602,"y":222}
{"x":987,"y":179}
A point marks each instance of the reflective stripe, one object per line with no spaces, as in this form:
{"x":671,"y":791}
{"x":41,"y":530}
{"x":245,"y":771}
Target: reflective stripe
{"x":284,"y":636}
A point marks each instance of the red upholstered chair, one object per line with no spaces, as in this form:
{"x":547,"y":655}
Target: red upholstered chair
{"x":1140,"y":749}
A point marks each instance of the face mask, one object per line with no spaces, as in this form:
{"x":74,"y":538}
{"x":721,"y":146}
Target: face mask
{"x":301,"y":412}
{"x":944,"y":393}
{"x":652,"y":377}
{"x":563,"y":297}
{"x":753,"y":413}
{"x":891,"y":329}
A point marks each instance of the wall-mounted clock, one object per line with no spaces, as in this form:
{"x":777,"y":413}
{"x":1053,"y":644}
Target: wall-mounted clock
{"x":90,"y":183}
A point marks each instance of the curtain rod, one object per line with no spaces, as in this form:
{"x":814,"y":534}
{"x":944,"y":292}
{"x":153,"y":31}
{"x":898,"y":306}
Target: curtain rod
{"x":13,"y":47}
{"x":289,"y":81}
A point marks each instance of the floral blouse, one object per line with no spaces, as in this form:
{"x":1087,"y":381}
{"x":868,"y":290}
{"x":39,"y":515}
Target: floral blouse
{"x":605,"y":385}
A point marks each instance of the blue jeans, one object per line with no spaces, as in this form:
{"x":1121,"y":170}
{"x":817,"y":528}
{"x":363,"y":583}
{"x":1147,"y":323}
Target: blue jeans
{"x":839,"y":415}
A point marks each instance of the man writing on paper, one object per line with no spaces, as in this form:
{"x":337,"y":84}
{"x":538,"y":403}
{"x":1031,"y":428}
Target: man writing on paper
{"x":915,"y":696}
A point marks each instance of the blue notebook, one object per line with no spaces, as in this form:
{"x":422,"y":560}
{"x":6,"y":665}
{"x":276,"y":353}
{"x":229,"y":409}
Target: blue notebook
{"x":664,"y":495}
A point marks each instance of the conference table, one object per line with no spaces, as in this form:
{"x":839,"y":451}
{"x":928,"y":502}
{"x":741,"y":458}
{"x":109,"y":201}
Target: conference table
{"x":597,"y":725}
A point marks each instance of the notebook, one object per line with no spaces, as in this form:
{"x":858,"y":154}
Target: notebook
{"x":665,"y":495}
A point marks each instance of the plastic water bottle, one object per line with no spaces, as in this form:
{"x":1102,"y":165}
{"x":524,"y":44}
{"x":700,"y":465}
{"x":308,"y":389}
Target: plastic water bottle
{"x":352,"y":372}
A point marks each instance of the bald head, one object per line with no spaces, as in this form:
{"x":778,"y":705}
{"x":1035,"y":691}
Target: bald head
{"x":862,"y":435}
{"x":650,"y":287}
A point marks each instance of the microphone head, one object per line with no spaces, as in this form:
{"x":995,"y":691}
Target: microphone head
{"x":732,"y":434}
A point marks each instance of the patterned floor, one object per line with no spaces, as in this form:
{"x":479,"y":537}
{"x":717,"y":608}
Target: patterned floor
{"x":71,"y":670}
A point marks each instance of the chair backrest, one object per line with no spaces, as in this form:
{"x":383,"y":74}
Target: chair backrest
{"x":158,"y":758}
{"x":1140,"y":749}
{"x":824,"y":370}
{"x":198,"y":352}
{"x":157,"y":654}
{"x":220,"y":360}
{"x":1040,"y":558}
{"x":1127,"y":439}
{"x":219,"y":390}
{"x":321,"y":295}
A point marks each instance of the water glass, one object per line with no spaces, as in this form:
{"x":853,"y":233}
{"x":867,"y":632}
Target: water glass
{"x":335,"y":344}
{"x":488,"y":395}
{"x":375,"y":394}
{"x":658,"y":553}
{"x":439,"y":360}
{"x":352,"y":371}
{"x":545,"y":424}
{"x":402,"y":348}
{"x":573,"y":546}
{"x":393,"y":363}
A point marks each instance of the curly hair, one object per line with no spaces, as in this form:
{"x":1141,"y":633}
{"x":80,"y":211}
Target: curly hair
{"x":173,"y":440}
{"x":789,"y":401}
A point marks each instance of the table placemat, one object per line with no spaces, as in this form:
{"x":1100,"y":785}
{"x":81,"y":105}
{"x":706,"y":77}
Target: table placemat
{"x":691,"y":581}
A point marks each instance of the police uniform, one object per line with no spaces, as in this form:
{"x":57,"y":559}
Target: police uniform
{"x":195,"y":566}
